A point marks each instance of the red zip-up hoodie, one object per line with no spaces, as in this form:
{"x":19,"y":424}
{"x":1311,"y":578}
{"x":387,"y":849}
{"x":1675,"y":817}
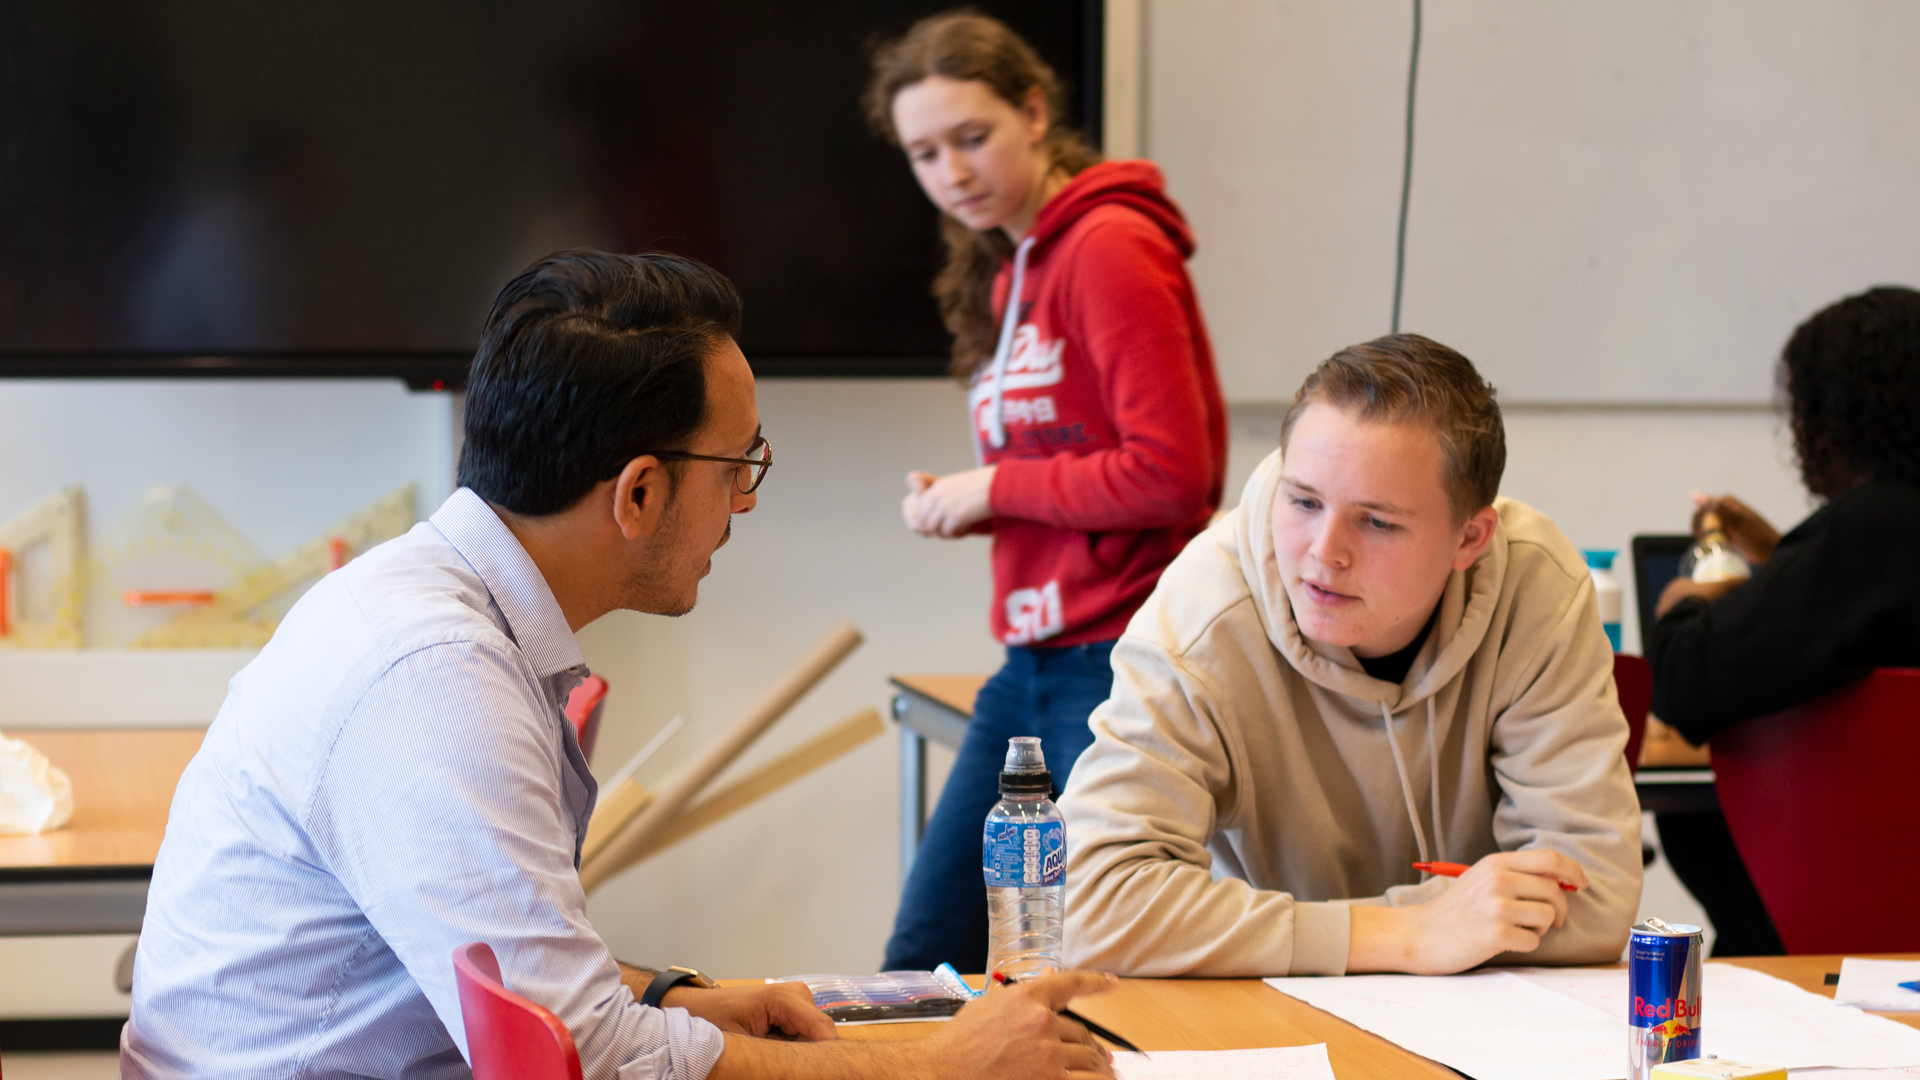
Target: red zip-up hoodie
{"x":1115,"y":435}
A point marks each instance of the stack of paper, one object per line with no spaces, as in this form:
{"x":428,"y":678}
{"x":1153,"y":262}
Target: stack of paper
{"x":1875,"y":984}
{"x":1570,"y":1024}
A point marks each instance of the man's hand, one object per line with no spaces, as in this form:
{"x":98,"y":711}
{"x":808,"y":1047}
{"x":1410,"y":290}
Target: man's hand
{"x":948,"y":506}
{"x":1746,"y":530}
{"x":1015,"y":1032}
{"x":784,"y":1009}
{"x":1681,"y":588}
{"x":1504,"y":903}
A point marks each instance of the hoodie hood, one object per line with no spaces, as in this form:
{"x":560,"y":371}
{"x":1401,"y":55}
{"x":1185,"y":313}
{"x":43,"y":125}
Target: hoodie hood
{"x":1466,"y":610}
{"x":1134,"y":184}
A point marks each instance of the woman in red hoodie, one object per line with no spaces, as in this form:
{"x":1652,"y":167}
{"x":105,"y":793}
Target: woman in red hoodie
{"x":1097,"y":416}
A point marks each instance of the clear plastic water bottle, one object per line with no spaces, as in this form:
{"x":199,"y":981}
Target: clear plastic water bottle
{"x":1024,"y":858}
{"x":1712,"y":557}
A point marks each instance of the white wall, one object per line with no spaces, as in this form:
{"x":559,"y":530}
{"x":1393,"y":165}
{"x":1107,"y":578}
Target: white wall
{"x":1624,"y":202}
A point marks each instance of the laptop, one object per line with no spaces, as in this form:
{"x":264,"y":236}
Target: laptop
{"x":1656,"y":561}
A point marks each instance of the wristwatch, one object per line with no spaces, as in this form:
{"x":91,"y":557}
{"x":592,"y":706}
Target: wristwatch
{"x":670,"y":978}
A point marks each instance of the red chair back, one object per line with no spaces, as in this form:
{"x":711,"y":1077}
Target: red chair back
{"x":508,"y":1037}
{"x":1633,"y":679}
{"x":583,"y":708}
{"x":1817,"y":800}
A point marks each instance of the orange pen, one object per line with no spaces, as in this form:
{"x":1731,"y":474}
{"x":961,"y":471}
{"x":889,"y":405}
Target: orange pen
{"x":167,"y":598}
{"x":1454,"y":869}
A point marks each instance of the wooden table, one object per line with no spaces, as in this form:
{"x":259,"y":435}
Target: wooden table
{"x":90,"y":876}
{"x":1237,"y":1014}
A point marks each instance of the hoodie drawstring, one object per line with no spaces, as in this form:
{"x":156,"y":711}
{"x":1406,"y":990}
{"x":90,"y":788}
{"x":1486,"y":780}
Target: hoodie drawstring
{"x":1406,"y":786}
{"x":1433,"y":762}
{"x":996,"y":427}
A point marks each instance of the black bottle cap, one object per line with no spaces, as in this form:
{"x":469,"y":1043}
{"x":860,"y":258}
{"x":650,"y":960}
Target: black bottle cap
{"x":1026,"y":783}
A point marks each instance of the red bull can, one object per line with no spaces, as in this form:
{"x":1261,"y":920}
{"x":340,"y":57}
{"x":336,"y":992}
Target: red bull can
{"x":1663,"y":996}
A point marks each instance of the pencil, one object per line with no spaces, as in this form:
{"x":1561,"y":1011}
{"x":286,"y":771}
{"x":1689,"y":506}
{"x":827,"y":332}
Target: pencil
{"x":1104,"y":1033}
{"x":1096,"y":1029}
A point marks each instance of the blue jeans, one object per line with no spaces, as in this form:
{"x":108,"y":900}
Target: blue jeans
{"x":1040,"y":691}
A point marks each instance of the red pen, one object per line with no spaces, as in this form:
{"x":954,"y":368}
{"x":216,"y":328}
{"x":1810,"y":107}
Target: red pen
{"x":1454,"y":869}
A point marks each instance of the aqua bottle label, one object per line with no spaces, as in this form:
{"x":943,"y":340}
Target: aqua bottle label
{"x":1022,"y":856}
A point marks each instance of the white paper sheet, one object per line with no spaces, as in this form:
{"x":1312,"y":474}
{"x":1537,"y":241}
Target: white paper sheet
{"x":1875,"y":984}
{"x":1273,"y":1063}
{"x":1465,"y":1021}
{"x":1490,"y":1025}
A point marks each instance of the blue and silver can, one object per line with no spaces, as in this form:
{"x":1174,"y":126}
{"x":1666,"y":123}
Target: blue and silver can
{"x":1663,"y":996}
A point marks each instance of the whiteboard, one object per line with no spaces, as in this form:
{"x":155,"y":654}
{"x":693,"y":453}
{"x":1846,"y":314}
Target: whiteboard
{"x":1621,"y":202}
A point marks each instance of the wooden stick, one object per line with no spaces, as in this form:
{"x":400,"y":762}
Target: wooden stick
{"x":687,"y":781}
{"x":816,"y":752}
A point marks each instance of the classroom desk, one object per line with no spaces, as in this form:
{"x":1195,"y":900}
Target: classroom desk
{"x":1673,"y":778}
{"x":1237,"y":1014}
{"x":90,"y":876}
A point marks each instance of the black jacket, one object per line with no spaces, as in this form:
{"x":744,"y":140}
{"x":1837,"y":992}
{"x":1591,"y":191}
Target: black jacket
{"x":1840,"y":597}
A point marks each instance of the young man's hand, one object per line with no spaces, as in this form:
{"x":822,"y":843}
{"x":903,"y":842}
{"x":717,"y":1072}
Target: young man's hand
{"x":784,"y":1009}
{"x":948,"y":506}
{"x":1015,"y":1032}
{"x":1504,"y":903}
{"x":1746,"y":530}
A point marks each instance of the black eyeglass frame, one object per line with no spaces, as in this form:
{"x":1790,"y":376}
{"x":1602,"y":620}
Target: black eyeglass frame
{"x":762,"y":464}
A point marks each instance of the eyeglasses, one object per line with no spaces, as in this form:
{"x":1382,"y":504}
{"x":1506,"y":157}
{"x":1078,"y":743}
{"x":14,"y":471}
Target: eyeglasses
{"x":752,"y":468}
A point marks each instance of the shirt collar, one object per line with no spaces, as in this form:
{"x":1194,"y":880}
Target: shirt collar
{"x":533,"y":615}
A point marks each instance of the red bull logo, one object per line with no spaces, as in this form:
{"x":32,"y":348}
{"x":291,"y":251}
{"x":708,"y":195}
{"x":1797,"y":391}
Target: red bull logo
{"x":1663,"y":996}
{"x":1670,"y":1019}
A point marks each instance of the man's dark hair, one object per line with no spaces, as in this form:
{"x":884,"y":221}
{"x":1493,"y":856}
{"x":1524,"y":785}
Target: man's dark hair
{"x":1404,"y":378}
{"x":1852,"y":380}
{"x":589,"y":360}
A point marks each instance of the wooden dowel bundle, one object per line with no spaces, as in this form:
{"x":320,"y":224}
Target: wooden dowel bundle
{"x":633,"y":839}
{"x":842,"y":738}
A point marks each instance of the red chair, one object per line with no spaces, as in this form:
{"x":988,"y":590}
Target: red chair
{"x":1817,"y":799}
{"x":508,"y":1037}
{"x":1633,"y":679}
{"x":583,"y":708}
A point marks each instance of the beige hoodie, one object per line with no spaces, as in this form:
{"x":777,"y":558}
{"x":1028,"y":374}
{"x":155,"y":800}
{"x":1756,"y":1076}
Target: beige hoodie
{"x":1242,"y":787}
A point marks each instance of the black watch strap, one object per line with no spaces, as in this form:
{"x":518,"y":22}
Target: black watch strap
{"x":670,"y":978}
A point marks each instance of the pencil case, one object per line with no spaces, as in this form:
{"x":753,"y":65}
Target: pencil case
{"x":890,"y":995}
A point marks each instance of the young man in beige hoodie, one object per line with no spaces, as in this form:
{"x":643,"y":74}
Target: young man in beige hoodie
{"x":1372,"y":661}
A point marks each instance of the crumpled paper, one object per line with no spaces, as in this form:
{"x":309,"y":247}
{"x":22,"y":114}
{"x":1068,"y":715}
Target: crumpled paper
{"x":34,"y":796}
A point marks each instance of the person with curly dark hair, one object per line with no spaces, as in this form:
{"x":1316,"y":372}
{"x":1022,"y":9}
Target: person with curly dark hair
{"x":1834,"y":598}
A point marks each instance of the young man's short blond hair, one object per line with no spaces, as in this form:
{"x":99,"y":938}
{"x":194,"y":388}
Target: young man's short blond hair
{"x":1406,"y":377}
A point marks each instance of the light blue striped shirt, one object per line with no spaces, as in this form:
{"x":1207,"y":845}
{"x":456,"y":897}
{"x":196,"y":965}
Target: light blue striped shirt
{"x":391,"y":778}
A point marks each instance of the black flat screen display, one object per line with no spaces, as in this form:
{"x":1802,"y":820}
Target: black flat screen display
{"x":336,"y":187}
